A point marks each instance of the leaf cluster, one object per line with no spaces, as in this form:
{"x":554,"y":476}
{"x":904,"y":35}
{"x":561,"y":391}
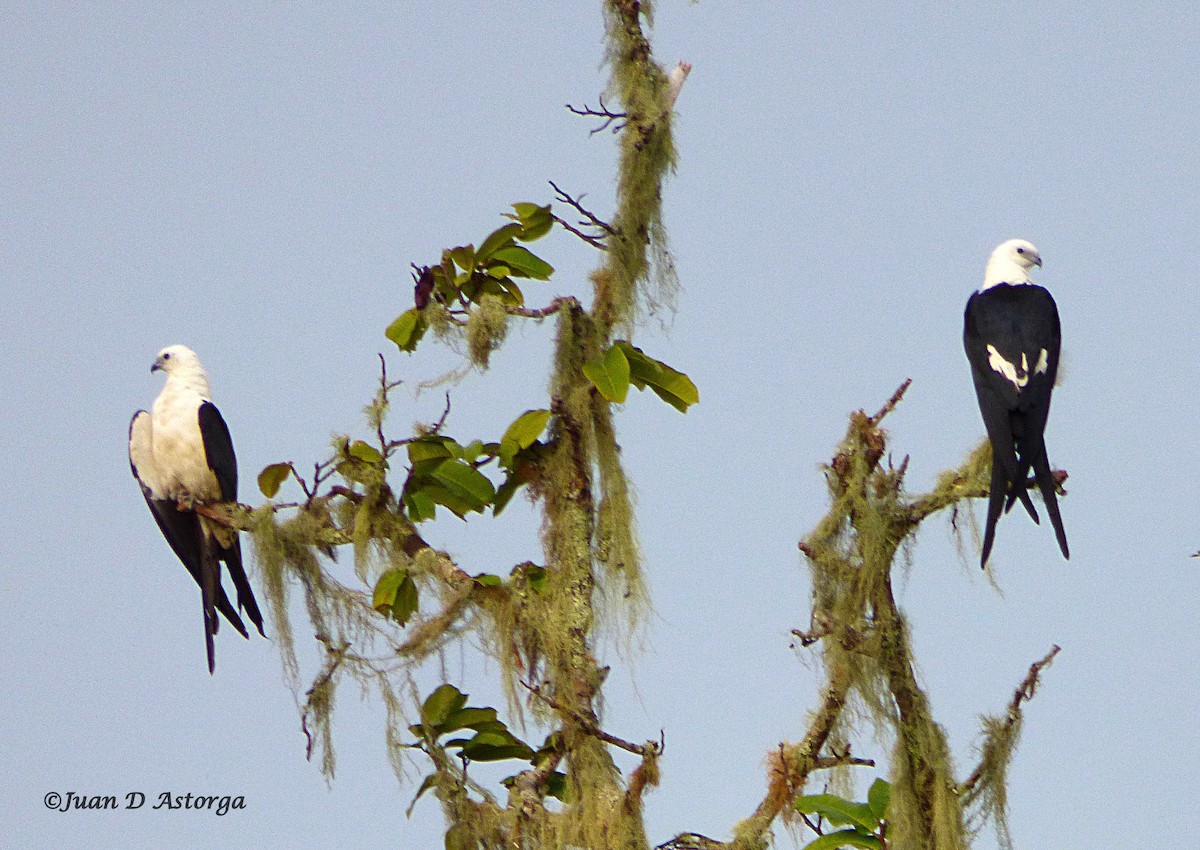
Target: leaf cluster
{"x":444,"y":472}
{"x":624,"y":364}
{"x":467,"y":274}
{"x":445,"y":711}
{"x":865,"y":822}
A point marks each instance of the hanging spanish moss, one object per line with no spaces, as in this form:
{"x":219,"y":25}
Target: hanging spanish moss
{"x":405,"y":603}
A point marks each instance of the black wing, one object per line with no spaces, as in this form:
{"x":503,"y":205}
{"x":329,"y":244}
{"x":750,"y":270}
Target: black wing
{"x":1021,"y":325}
{"x":989,"y":323}
{"x":1019,"y":322}
{"x":184,"y":535}
{"x":218,"y":448}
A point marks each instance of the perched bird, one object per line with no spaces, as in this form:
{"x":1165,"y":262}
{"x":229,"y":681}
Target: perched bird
{"x":182,"y":455}
{"x":1012,"y":336}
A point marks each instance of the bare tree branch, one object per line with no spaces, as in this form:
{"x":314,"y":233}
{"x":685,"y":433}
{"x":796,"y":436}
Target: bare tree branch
{"x":590,"y":219}
{"x":891,"y":403}
{"x":619,"y":119}
{"x":565,"y":302}
{"x":650,"y":748}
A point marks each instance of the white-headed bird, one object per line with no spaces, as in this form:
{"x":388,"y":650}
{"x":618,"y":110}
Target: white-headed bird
{"x":1012,"y":335}
{"x":182,"y":456}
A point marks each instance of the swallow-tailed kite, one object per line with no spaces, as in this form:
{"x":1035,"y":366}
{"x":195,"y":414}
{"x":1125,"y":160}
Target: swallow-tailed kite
{"x":1012,"y":336}
{"x":182,"y":455}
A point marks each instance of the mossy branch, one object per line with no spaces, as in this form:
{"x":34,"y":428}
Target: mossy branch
{"x":867,"y":656}
{"x":647,"y":153}
{"x":1025,"y":692}
{"x":984,"y":793}
{"x":790,"y":766}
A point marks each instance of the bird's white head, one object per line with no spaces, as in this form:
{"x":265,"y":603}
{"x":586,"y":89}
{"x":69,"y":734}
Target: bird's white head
{"x":182,"y":366}
{"x":1010,"y":263}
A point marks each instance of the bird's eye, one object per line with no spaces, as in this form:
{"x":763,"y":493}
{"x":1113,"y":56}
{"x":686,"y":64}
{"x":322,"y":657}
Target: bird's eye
{"x":1019,"y":251}
{"x":168,"y":356}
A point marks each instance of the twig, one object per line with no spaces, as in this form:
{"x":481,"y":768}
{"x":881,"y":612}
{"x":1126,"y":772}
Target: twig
{"x":308,"y":494}
{"x":810,"y":637}
{"x":814,"y":827}
{"x":437,"y":426}
{"x":931,"y":503}
{"x":591,"y":240}
{"x":336,"y":655}
{"x":650,"y":748}
{"x":346,"y":493}
{"x":826,"y":762}
{"x":1024,"y":693}
{"x":818,"y":733}
{"x":385,"y":390}
{"x":603,"y":112}
{"x":222,"y":512}
{"x":549,"y":310}
{"x":590,"y":218}
{"x":891,"y":403}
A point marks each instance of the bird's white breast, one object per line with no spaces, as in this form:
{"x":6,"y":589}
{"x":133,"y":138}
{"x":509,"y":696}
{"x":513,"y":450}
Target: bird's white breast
{"x":179,"y":455}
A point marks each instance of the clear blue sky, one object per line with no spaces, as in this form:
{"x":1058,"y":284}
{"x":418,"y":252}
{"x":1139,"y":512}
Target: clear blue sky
{"x":254,"y":180}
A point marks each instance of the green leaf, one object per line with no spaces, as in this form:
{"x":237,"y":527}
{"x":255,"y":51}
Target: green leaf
{"x":877,"y":798}
{"x":495,"y":746}
{"x":553,"y":745}
{"x":504,"y":494}
{"x":429,"y":782}
{"x":486,"y":752}
{"x":428,"y":448}
{"x":480,"y":285}
{"x":385,"y":590}
{"x":396,"y":596}
{"x":521,"y":434}
{"x":467,"y":718}
{"x":472,"y":451}
{"x":523,"y":262}
{"x":365,"y":452}
{"x":838,"y":811}
{"x":536,"y":576}
{"x":536,"y":221}
{"x":445,"y":700}
{"x":272,"y":478}
{"x":464,"y":482}
{"x":526,"y":210}
{"x":511,"y":294}
{"x":419,"y":506}
{"x":464,"y":257}
{"x":440,"y":495}
{"x":489,"y":726}
{"x":556,"y":786}
{"x":526,"y":428}
{"x":845,"y":838}
{"x":407,"y":601}
{"x":495,"y":240}
{"x":671,"y":385}
{"x":487,"y":580}
{"x":610,"y":374}
{"x":408,"y":328}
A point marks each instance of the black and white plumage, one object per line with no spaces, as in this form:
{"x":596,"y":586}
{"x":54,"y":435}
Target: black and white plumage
{"x":182,"y":455}
{"x":1012,"y":335}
